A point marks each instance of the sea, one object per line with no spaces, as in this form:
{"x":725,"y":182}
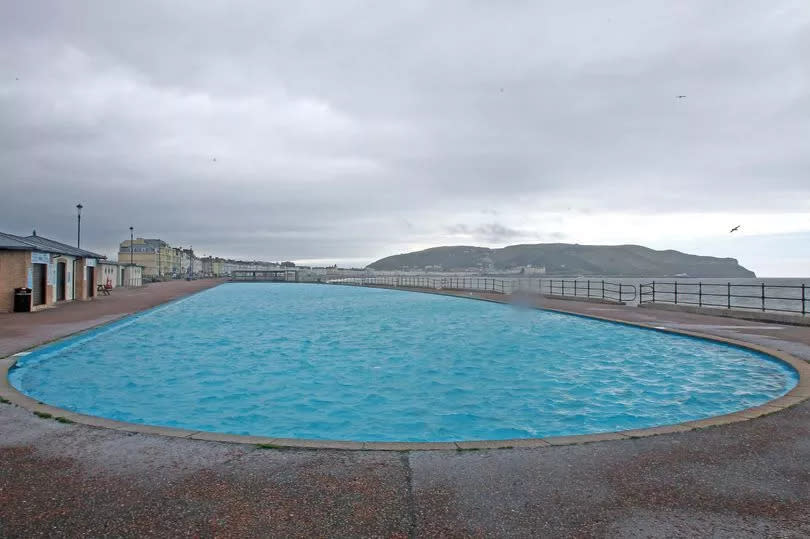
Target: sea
{"x":780,"y":294}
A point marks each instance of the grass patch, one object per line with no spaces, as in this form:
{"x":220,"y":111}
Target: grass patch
{"x":63,"y":419}
{"x":268,"y":446}
{"x":43,"y":415}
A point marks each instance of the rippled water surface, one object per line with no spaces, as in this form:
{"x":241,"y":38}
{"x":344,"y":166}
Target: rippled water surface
{"x":334,"y":362}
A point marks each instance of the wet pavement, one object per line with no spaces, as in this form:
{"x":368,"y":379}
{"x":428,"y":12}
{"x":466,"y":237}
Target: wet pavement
{"x":19,"y":331}
{"x":749,"y":479}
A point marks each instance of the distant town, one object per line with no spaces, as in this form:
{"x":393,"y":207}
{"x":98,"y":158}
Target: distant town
{"x":37,"y":271}
{"x":160,"y":260}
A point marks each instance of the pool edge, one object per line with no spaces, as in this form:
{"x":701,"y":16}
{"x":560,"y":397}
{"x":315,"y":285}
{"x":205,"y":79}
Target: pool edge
{"x":799,"y":393}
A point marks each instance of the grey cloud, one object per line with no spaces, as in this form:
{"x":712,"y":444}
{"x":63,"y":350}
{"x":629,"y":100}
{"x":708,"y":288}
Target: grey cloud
{"x":491,"y":233}
{"x":358,"y":129}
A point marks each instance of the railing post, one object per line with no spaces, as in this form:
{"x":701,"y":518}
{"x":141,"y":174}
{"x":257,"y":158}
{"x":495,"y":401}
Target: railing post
{"x":653,"y":291}
{"x":620,"y":292}
{"x":603,"y":289}
{"x":575,"y":287}
{"x":589,"y":288}
{"x":763,"y":296}
{"x":804,"y":309}
{"x":728,"y":295}
{"x":700,"y":294}
{"x":676,"y":292}
{"x":563,"y":287}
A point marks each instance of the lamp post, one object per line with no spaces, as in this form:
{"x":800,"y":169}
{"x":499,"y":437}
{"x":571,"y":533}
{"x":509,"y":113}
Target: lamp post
{"x":130,"y":245}
{"x":79,"y":223}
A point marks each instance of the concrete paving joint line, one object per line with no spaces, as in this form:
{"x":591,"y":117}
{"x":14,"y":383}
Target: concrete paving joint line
{"x":799,"y":393}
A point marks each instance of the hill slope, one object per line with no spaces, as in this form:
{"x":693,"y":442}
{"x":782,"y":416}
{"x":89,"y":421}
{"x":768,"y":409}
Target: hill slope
{"x":568,"y":259}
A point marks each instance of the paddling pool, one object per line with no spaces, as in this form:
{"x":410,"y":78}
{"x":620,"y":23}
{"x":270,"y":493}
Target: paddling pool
{"x":364,"y":364}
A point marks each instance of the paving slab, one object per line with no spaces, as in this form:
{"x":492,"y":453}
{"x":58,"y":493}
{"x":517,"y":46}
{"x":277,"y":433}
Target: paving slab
{"x":584,"y":438}
{"x":231,"y":438}
{"x":655,"y":431}
{"x":409,"y":446}
{"x":316,"y":444}
{"x":503,"y":444}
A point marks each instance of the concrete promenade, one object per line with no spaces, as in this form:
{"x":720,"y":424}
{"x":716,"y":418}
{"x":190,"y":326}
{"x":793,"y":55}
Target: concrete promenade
{"x":748,"y":479}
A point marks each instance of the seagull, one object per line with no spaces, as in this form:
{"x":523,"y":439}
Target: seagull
{"x":735,"y":229}
{"x":680,"y":96}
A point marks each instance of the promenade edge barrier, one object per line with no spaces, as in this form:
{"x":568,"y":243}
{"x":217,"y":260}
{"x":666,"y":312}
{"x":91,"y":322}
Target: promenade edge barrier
{"x":759,"y":297}
{"x":605,"y":290}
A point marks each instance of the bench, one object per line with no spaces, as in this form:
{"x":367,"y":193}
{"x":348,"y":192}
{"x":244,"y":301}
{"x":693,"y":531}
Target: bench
{"x":104,"y":289}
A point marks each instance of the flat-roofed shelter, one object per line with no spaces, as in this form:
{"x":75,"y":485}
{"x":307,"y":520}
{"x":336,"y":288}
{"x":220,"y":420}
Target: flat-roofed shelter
{"x":283,"y":274}
{"x":54,"y":271}
{"x":115,"y":274}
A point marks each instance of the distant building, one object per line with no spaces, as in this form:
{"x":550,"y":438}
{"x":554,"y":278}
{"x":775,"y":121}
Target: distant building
{"x":155,"y":256}
{"x":196,"y":266}
{"x":54,"y":271}
{"x":213,"y":266}
{"x":184,"y":257}
{"x":534,"y":270}
{"x":207,"y":265}
{"x":219,"y":267}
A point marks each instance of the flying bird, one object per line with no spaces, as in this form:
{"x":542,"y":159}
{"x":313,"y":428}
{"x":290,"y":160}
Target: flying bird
{"x":680,"y":96}
{"x":735,"y":229}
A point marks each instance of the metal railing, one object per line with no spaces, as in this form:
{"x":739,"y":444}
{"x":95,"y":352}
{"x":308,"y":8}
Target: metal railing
{"x":760,"y":297}
{"x":606,"y":290}
{"x":477,"y":284}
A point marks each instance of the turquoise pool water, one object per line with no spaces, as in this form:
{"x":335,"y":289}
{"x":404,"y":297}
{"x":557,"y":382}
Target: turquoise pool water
{"x":348,"y":363}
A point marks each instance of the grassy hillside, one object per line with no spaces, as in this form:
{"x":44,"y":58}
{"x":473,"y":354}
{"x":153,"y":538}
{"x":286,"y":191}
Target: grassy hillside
{"x":568,"y":259}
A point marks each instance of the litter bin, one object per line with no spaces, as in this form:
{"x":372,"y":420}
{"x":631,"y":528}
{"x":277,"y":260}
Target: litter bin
{"x":22,"y":300}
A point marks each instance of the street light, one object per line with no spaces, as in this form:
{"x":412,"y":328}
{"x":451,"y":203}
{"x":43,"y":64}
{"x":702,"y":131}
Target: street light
{"x":79,"y":222}
{"x":130,"y":246}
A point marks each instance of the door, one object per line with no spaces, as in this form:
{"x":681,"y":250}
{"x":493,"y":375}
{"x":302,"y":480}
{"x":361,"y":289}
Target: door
{"x":60,"y":281}
{"x":91,"y":282}
{"x":121,"y":283}
{"x":38,"y":293}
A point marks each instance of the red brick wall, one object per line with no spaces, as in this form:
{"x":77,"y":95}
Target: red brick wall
{"x":13,"y":274}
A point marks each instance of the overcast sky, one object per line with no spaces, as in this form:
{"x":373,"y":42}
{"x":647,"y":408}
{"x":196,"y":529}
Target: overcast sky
{"x":347,"y":131}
